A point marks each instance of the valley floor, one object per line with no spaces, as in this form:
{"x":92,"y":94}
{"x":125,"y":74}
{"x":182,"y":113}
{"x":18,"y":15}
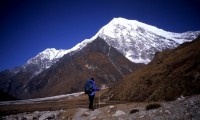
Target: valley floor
{"x":184,"y":108}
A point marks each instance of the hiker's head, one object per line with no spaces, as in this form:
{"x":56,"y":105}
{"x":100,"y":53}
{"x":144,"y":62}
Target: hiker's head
{"x":92,"y":79}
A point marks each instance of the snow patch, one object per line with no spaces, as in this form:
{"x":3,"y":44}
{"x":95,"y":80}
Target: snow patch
{"x":36,"y":100}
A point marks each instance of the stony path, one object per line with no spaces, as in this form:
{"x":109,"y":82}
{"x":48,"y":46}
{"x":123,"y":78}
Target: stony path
{"x":182,"y":109}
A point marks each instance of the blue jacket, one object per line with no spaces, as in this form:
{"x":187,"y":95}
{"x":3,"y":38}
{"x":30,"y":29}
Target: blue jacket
{"x":94,"y":88}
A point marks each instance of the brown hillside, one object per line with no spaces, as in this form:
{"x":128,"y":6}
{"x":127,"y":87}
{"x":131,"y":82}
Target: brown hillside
{"x":171,"y":74}
{"x":70,"y":73}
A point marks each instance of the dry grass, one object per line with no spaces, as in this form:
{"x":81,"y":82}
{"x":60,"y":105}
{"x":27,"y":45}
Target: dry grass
{"x":170,"y":75}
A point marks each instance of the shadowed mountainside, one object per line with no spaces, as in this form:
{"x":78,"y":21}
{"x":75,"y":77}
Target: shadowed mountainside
{"x":6,"y":97}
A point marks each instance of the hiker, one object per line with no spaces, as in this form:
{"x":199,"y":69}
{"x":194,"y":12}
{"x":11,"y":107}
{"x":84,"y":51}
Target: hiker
{"x":90,"y":90}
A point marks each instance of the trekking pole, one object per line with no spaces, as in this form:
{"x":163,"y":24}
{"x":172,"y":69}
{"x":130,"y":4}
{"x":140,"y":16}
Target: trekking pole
{"x":99,"y":98}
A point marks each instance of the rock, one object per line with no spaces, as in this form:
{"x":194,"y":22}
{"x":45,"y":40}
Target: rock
{"x":141,"y":116}
{"x":85,"y":114}
{"x":36,"y":112}
{"x":120,"y":119}
{"x":48,"y":115}
{"x":28,"y":117}
{"x":108,"y":111}
{"x":181,"y":98}
{"x":119,"y":113}
{"x":35,"y":115}
{"x":21,"y":118}
{"x":167,"y":111}
{"x":153,"y":106}
{"x":134,"y":111}
{"x":93,"y":118}
{"x":62,"y":111}
{"x":112,"y":106}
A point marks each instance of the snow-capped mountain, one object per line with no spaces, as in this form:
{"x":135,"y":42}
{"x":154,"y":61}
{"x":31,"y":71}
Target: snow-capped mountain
{"x":137,"y":41}
{"x":47,"y":57}
{"x":43,"y":60}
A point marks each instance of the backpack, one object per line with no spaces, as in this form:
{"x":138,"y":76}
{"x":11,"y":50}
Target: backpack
{"x":88,"y":87}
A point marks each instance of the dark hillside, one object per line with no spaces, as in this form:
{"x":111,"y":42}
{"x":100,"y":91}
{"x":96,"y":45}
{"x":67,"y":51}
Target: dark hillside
{"x":6,"y":97}
{"x":171,"y":74}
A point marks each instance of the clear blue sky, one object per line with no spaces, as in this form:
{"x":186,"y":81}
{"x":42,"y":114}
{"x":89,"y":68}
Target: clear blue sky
{"x":27,"y":27}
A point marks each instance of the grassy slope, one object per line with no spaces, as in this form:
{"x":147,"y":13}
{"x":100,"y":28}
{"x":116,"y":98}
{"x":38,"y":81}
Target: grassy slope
{"x":172,"y":73}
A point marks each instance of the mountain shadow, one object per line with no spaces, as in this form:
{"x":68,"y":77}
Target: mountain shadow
{"x":6,"y":97}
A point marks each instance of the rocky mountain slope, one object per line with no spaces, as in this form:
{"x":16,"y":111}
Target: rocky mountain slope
{"x":172,"y":73}
{"x":68,"y":75}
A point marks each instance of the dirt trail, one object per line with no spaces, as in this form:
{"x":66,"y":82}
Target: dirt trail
{"x":48,"y":106}
{"x":51,"y":105}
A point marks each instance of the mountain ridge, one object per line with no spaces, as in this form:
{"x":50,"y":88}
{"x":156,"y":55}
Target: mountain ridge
{"x":116,"y":43}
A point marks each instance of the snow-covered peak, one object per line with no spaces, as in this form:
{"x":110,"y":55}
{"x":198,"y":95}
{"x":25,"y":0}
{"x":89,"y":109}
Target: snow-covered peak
{"x":52,"y":53}
{"x":45,"y":59}
{"x":129,"y":25}
{"x":120,"y":26}
{"x":139,"y":41}
{"x":136,"y":40}
{"x":50,"y":56}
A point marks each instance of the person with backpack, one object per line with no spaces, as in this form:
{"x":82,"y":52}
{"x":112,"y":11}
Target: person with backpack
{"x":90,"y":90}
